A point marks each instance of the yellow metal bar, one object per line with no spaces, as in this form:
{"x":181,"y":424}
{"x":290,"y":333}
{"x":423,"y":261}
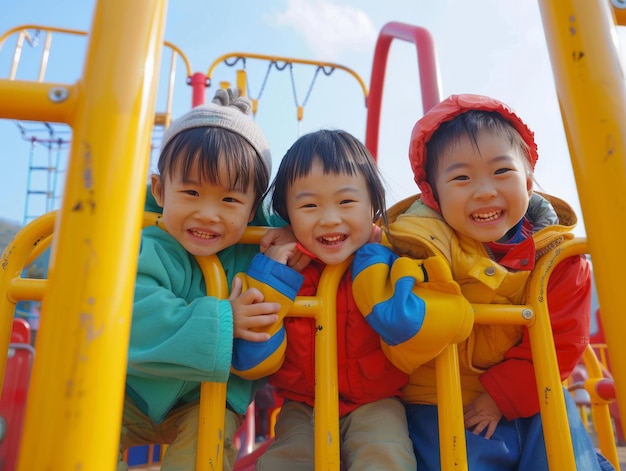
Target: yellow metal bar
{"x":182,"y":55}
{"x":14,"y":258}
{"x":287,"y":60}
{"x":549,"y":386}
{"x":41,"y":245}
{"x":23,"y":34}
{"x":503,"y":314}
{"x":37,"y":234}
{"x":27,"y":100}
{"x":33,"y":101}
{"x":242,"y":82}
{"x":601,"y":416}
{"x":305,"y":306}
{"x":77,"y":382}
{"x":253,"y":234}
{"x":326,"y":435}
{"x":23,"y":31}
{"x":450,"y":411}
{"x":591,"y":88}
{"x":36,"y":27}
{"x":166,"y":117}
{"x":210,"y":453}
{"x":25,"y":288}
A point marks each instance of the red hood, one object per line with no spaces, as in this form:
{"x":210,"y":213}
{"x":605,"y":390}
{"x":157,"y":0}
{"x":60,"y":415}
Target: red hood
{"x":446,"y":110}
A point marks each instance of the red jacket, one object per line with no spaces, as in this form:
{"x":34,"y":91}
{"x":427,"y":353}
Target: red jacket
{"x":364,"y":373}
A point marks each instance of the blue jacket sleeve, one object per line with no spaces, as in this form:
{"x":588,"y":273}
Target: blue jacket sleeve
{"x":278,"y":283}
{"x":414,"y":305}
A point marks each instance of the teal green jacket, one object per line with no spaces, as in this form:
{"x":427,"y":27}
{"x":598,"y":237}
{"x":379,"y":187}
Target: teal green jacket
{"x":179,"y":336}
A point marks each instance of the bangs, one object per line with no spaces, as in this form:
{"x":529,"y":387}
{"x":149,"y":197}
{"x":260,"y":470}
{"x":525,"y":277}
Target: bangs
{"x":215,"y":155}
{"x":339,"y":153}
{"x":230,"y":170}
{"x":336,"y":156}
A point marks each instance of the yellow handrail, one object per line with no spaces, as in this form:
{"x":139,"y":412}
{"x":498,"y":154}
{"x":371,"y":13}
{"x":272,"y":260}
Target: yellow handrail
{"x":601,"y":415}
{"x":37,"y":235}
{"x":534,"y":314}
{"x":35,"y":94}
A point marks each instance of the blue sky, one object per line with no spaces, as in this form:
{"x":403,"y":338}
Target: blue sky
{"x":492,"y":47}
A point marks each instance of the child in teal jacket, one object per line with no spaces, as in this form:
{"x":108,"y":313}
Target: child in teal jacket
{"x":214,"y":169}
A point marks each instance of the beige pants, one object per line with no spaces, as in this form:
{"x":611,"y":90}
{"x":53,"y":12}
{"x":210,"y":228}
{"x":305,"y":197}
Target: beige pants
{"x":373,"y":437}
{"x":179,"y":430}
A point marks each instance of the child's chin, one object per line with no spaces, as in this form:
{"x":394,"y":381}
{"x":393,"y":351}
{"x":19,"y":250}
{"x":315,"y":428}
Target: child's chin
{"x":333,"y":260}
{"x":202,"y":251}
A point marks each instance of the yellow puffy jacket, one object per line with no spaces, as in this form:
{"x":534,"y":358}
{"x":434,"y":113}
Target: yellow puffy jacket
{"x":495,"y":355}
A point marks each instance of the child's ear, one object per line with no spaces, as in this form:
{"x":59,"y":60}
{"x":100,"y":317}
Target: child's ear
{"x":252,"y":213}
{"x":529,"y":184}
{"x":156,"y":188}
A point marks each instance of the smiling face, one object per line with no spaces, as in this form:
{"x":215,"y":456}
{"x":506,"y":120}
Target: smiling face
{"x":203,"y":217}
{"x":483,"y":187}
{"x":330,"y":213}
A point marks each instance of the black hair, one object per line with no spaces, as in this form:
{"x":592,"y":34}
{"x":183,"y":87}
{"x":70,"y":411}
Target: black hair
{"x":339,"y":152}
{"x":211,"y":148}
{"x":469,"y":124}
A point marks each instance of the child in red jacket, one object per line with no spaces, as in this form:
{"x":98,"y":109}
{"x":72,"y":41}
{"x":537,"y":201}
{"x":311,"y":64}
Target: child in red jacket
{"x":329,"y":190}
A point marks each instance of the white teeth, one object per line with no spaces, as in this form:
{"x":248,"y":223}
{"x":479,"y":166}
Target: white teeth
{"x":203,"y":235}
{"x":491,"y":216}
{"x":330,"y":240}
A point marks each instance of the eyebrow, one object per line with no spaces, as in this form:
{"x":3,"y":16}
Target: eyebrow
{"x":496,"y":160}
{"x":346,"y":189}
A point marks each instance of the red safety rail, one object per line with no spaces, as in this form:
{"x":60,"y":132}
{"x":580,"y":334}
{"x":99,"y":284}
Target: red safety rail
{"x":428,"y":72}
{"x":13,"y":400}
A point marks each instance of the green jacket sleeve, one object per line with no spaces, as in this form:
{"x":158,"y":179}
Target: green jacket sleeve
{"x":177,"y":331}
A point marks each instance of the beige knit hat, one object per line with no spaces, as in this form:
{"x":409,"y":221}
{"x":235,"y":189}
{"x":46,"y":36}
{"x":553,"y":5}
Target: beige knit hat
{"x":227,"y":110}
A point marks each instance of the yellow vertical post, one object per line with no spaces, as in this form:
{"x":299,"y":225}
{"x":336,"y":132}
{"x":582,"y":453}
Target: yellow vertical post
{"x":559,"y":448}
{"x":211,"y":427}
{"x":242,"y":80}
{"x":601,"y":416}
{"x":450,"y":410}
{"x":582,"y":43}
{"x":326,"y":435}
{"x":73,"y":417}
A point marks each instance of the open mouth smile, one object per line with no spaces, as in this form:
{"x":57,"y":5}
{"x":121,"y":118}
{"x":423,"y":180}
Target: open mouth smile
{"x":332,"y":240}
{"x":486,"y":217}
{"x":203,"y":235}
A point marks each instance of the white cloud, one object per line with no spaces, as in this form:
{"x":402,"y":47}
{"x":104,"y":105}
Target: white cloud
{"x":328,"y":28}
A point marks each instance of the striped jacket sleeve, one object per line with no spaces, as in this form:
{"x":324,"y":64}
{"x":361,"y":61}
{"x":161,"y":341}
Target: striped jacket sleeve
{"x":278,"y":283}
{"x":414,"y":305}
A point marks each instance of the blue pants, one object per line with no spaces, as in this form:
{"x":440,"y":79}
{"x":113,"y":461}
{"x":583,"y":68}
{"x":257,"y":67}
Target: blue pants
{"x":515,"y":445}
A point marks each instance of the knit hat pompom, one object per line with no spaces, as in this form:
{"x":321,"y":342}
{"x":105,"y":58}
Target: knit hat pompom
{"x":229,"y":111}
{"x":447,"y":110}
